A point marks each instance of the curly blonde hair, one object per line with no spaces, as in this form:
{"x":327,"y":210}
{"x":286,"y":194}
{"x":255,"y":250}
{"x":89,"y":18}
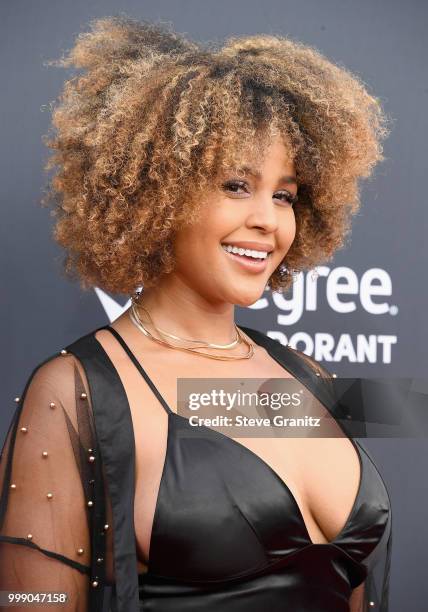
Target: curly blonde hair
{"x":140,"y":134}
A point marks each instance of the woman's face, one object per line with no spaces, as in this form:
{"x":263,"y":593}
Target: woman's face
{"x":250,"y":212}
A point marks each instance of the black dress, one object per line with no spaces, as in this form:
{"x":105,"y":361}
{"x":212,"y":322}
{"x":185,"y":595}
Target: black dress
{"x":227,"y":532}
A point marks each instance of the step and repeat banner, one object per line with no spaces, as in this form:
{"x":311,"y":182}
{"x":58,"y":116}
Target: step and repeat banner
{"x":361,"y":314}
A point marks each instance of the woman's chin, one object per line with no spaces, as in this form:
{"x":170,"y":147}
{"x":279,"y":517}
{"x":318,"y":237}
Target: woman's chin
{"x":246,"y":297}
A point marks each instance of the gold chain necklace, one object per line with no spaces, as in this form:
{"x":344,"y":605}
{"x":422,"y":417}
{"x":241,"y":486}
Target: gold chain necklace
{"x":136,"y":320}
{"x":202,"y":343}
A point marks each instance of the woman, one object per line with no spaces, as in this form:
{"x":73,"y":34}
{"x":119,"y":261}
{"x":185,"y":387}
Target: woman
{"x":202,"y":174}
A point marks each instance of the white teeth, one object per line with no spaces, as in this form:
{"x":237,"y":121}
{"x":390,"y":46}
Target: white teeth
{"x":249,"y":252}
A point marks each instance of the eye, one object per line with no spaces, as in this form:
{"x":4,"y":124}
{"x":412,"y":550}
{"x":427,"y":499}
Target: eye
{"x":234,"y":186}
{"x":289,"y":197}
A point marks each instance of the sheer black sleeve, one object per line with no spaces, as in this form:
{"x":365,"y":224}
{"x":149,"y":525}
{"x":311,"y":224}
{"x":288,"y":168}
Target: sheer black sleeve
{"x":47,"y":474}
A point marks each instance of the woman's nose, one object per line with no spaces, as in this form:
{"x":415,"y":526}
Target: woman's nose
{"x":263,"y":214}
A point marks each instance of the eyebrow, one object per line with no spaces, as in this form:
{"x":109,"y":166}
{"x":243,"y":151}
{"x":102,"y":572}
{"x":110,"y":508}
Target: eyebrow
{"x":287,"y":178}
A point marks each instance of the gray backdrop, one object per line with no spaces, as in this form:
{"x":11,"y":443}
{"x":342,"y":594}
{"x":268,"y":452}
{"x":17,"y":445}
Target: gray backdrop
{"x":366,"y":307}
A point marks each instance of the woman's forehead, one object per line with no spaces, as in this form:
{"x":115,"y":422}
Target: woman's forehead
{"x":255,"y":163}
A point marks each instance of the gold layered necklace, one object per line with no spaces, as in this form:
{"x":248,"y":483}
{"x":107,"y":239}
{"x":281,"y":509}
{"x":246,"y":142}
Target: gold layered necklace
{"x":239,"y":339}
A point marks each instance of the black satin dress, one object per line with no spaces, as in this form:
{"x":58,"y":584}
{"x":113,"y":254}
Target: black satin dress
{"x":228,"y":533}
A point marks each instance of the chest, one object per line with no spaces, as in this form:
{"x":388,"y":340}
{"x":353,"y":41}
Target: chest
{"x":321,"y":474}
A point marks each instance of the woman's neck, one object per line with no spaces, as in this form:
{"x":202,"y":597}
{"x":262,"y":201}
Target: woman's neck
{"x":188,"y":315}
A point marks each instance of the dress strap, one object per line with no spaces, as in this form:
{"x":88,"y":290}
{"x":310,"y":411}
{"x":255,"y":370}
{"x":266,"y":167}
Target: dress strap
{"x":138,"y":366}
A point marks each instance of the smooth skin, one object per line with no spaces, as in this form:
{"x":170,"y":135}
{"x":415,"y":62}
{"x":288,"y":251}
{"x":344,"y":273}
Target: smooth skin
{"x":206,"y":284}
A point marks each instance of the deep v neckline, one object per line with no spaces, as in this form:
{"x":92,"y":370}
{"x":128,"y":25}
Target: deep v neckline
{"x":276,"y":476}
{"x":245,"y":449}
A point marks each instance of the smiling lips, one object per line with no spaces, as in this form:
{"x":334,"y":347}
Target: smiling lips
{"x":247,"y":252}
{"x":249,"y":255}
{"x":247,"y":244}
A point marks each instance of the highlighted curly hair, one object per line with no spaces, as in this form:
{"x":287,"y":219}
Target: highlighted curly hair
{"x":138,"y":136}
